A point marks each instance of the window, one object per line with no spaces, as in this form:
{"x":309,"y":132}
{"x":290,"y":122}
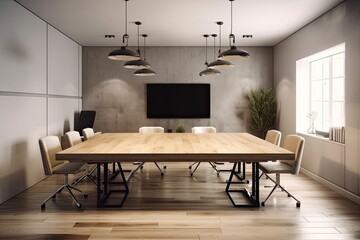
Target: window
{"x":327,"y":91}
{"x":320,"y":90}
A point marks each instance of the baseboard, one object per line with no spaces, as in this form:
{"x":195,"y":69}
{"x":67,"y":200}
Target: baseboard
{"x":349,"y":195}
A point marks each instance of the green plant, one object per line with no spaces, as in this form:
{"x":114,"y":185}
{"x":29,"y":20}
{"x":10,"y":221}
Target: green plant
{"x":180,"y":129}
{"x":262,"y":104}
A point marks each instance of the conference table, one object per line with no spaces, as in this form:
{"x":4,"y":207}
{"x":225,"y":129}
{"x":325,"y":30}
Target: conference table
{"x":174,"y":147}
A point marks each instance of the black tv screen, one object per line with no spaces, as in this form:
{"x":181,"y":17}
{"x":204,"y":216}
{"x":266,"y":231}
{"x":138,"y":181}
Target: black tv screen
{"x":178,"y":100}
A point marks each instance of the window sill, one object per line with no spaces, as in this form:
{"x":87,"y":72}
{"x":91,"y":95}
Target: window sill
{"x":320,"y":138}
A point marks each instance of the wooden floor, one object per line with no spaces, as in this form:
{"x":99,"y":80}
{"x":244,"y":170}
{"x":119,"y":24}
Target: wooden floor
{"x":178,"y":206}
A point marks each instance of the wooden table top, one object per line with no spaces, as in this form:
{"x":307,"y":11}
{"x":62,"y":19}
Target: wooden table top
{"x":174,"y":147}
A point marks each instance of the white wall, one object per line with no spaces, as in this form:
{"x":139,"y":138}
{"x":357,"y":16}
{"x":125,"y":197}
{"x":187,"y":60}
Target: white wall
{"x":40,"y":86}
{"x":341,"y":24}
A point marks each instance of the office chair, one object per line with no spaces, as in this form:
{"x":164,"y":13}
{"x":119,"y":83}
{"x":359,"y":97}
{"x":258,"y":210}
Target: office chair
{"x":272,"y":136}
{"x":149,"y":130}
{"x":89,"y":133}
{"x":49,"y":146}
{"x":72,"y":138}
{"x":293,"y":143}
{"x":199,"y":130}
{"x":86,"y":120}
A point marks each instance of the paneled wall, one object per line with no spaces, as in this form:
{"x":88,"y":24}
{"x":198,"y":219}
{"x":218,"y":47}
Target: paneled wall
{"x":340,"y":25}
{"x":40,"y":92}
{"x":119,"y":97}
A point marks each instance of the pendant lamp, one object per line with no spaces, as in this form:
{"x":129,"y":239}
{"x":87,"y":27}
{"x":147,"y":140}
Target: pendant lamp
{"x":124,"y":54}
{"x":145,"y":71}
{"x":219,"y":64}
{"x":233,"y":53}
{"x":137,"y":64}
{"x":208,"y":71}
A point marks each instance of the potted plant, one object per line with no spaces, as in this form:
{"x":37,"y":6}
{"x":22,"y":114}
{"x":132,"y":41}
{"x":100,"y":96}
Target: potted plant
{"x":262,"y":105}
{"x":180,"y":129}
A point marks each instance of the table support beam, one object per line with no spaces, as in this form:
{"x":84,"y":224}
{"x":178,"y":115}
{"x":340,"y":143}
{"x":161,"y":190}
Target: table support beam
{"x":252,"y":198}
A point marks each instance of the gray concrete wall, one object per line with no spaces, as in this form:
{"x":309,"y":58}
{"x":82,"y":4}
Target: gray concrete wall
{"x":119,"y":97}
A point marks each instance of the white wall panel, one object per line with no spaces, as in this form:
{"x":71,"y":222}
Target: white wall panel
{"x":23,"y":122}
{"x":22,"y":50}
{"x":325,"y":159}
{"x":63,"y":60}
{"x":61,"y":115}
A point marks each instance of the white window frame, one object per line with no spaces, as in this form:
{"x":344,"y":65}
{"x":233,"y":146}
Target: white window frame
{"x":303,"y":87}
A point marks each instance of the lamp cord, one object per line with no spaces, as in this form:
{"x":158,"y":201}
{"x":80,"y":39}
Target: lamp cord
{"x":214,"y":49}
{"x":206,"y":62}
{"x":231,"y":17}
{"x":144,"y":48}
{"x":231,"y":36}
{"x":138,"y":41}
{"x":219,"y":38}
{"x":126,"y":36}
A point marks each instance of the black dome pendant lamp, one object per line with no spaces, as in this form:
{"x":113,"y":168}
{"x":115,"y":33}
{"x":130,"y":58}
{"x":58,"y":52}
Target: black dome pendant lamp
{"x":208,"y":71}
{"x":124,"y":54}
{"x":219,"y":64}
{"x":233,"y":53}
{"x":145,"y":72}
{"x":137,"y":64}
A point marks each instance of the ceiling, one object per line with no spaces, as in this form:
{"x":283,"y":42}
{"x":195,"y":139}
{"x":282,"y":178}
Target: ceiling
{"x":178,"y":22}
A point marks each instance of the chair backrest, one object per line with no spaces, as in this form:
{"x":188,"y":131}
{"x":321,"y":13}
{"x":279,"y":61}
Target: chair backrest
{"x":49,"y":146}
{"x":203,"y":130}
{"x":274,"y":137}
{"x":72,"y":138}
{"x":151,"y":130}
{"x":295,"y":144}
{"x":88,"y":133}
{"x":86,"y":120}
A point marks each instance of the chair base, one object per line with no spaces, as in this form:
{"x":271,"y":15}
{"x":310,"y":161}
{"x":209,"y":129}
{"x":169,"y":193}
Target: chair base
{"x":277,"y":185}
{"x":69,"y":188}
{"x":213,"y":165}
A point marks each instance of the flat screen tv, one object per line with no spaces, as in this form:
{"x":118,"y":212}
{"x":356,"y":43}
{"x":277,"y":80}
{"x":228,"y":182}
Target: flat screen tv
{"x":178,"y":100}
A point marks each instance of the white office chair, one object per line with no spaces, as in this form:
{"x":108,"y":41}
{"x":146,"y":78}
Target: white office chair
{"x":150,"y":130}
{"x":293,"y":143}
{"x":49,"y":146}
{"x":274,"y":137}
{"x":89,"y":133}
{"x":199,"y":130}
{"x":72,"y":138}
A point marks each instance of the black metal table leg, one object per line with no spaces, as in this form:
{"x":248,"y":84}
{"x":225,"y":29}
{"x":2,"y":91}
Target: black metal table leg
{"x":103,"y":196}
{"x":251,"y":198}
{"x":98,"y":189}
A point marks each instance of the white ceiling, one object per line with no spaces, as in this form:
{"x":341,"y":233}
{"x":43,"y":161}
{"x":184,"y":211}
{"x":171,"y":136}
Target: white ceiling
{"x":178,"y":22}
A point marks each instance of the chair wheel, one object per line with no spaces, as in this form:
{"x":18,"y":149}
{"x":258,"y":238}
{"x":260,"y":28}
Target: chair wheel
{"x":162,"y":174}
{"x":142,"y":167}
{"x":189,"y":167}
{"x":164,"y":167}
{"x":191,"y":174}
{"x":298,"y":204}
{"x":78,"y":205}
{"x":85,"y":195}
{"x":43,"y":206}
{"x":263,"y":204}
{"x":54,"y":196}
{"x":289,"y":195}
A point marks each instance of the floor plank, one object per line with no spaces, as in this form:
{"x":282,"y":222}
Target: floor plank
{"x":178,"y":206}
